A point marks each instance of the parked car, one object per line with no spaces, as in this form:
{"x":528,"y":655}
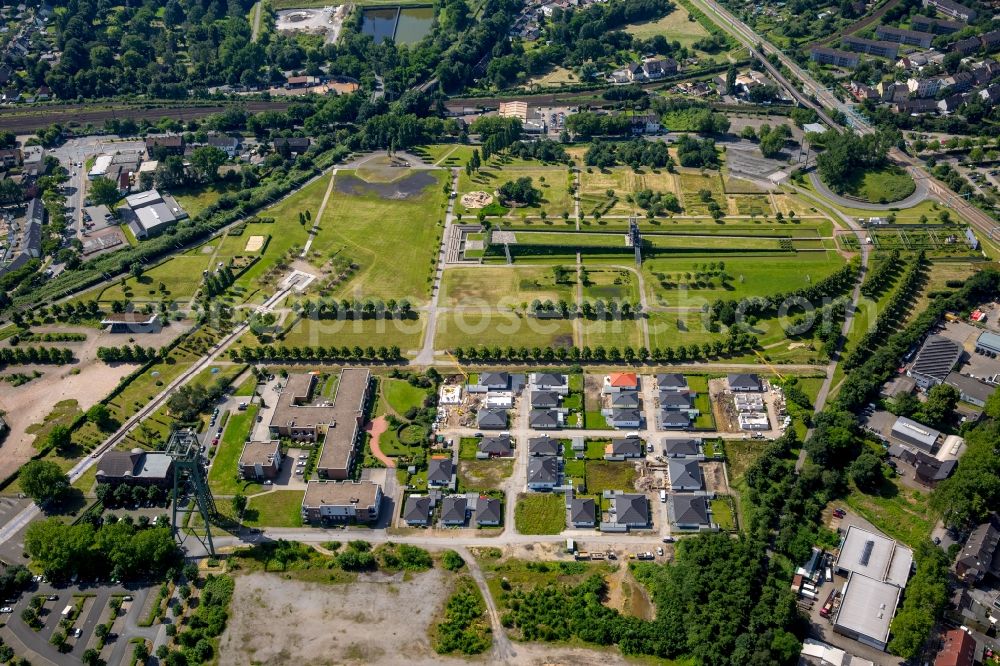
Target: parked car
{"x":6,"y":609}
{"x":53,"y":597}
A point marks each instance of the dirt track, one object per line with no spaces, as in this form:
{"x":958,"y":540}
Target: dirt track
{"x":26,"y":120}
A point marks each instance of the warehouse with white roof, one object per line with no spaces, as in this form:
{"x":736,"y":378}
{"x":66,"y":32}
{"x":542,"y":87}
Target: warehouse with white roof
{"x":150,"y":213}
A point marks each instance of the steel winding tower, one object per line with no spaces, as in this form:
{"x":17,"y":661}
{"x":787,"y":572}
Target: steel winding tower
{"x":184,"y":449}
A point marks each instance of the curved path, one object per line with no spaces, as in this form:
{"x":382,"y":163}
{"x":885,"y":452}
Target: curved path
{"x":919,"y":194}
{"x":376,"y":428}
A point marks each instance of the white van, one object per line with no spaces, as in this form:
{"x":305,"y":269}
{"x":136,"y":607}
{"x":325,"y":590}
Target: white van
{"x":663,"y":496}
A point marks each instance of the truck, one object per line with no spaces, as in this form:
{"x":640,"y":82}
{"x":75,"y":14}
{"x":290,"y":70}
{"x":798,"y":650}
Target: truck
{"x":582,"y":555}
{"x":663,"y":496}
{"x":66,"y":611}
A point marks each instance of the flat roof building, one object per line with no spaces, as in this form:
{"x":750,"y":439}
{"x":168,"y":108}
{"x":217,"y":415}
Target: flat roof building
{"x":989,"y":341}
{"x":874,"y":556}
{"x":827,"y":56}
{"x":866,"y":610}
{"x":336,"y":420}
{"x":150,"y":213}
{"x":341,"y":502}
{"x":260,"y":460}
{"x":908,"y":431}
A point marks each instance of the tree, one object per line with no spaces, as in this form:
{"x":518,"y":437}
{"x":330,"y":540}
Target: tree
{"x":941,"y":401}
{"x":206,"y":160}
{"x":239,"y":504}
{"x":42,"y":481}
{"x":104,"y":192}
{"x":866,"y":471}
{"x":60,"y":437}
{"x":91,"y":657}
{"x":100,"y":416}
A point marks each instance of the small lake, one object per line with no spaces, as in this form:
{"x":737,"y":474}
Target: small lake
{"x":403,"y":25}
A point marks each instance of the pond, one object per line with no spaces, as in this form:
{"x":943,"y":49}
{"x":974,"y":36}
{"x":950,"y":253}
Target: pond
{"x":403,"y":25}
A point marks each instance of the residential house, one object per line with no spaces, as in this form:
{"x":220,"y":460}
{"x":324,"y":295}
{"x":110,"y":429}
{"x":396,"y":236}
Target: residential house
{"x":10,"y":157}
{"x":672,"y":382}
{"x":980,"y":556}
{"x":827,"y":56}
{"x":417,"y":510}
{"x":623,"y":400}
{"x":492,"y":419}
{"x":616,"y":382}
{"x":544,"y":399}
{"x":543,"y":472}
{"x":674,"y":420}
{"x":953,"y":9}
{"x":902,"y":36}
{"x":967,"y":46}
{"x":915,"y":106}
{"x":934,"y":361}
{"x":683,"y":448}
{"x":745,"y":383}
{"x":488,"y":512}
{"x":544,"y":446}
{"x":549,"y":382}
{"x":454,"y":510}
{"x":260,"y":460}
{"x":495,"y":381}
{"x":870,"y":46}
{"x":545,"y":419}
{"x":959,"y":82}
{"x":135,"y":468}
{"x":990,"y":40}
{"x":924,"y":87}
{"x":688,"y":512}
{"x":301,"y":81}
{"x":289,"y":147}
{"x":158,"y":145}
{"x":952,"y":103}
{"x":582,"y":512}
{"x":624,"y":418}
{"x":685,"y":475}
{"x":935,"y":25}
{"x":656,"y":68}
{"x":441,"y":473}
{"x":623,"y":448}
{"x":970,"y":390}
{"x":990,"y":94}
{"x":230,"y":145}
{"x":630,"y":510}
{"x":862,"y":92}
{"x":959,"y":649}
{"x":495,"y":447}
{"x":341,"y":502}
{"x":676,"y":401}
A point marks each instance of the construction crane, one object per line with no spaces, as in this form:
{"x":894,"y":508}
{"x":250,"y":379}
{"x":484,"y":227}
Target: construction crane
{"x":457,"y":364}
{"x":769,"y":366}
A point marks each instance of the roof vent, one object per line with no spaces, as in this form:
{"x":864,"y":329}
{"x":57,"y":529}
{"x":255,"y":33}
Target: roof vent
{"x":866,"y":554}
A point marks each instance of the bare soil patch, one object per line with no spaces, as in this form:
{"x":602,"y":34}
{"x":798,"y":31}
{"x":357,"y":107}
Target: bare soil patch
{"x":477,"y":199}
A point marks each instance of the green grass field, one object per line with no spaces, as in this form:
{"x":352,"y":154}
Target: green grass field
{"x":483,"y":475}
{"x":196,"y":199}
{"x":722,"y":514}
{"x":222,"y":476}
{"x":675,"y":26}
{"x":509,"y":286}
{"x":407,"y":334}
{"x":540,"y":513}
{"x":899,"y":511}
{"x":552,"y":181}
{"x":882,"y":185}
{"x":605,"y":475}
{"x":393,"y":240}
{"x":278,"y":508}
{"x":402,"y":396}
{"x":611,"y":283}
{"x":461,"y":329}
{"x":614,"y":333}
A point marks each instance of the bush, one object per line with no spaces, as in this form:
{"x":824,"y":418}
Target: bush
{"x":452,"y":561}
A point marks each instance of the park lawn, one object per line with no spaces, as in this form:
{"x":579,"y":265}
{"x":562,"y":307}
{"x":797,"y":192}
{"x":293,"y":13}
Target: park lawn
{"x":541,"y":513}
{"x":502,"y":286}
{"x":196,"y":199}
{"x":613,"y":333}
{"x":403,"y":396}
{"x":390,"y":445}
{"x":554,"y":188}
{"x":503,"y":329}
{"x":406,"y":334}
{"x":755,"y":205}
{"x":665,"y":244}
{"x":247,"y":388}
{"x":751,"y":276}
{"x":394,"y":241}
{"x":678,"y":26}
{"x":722,"y":514}
{"x":222,"y":476}
{"x":607,"y":475}
{"x":901,"y":512}
{"x":554,"y":77}
{"x":278,"y":508}
{"x":664,"y":330}
{"x":609,"y":283}
{"x":691,"y":183}
{"x":444,"y":154}
{"x":883,"y":185}
{"x":483,"y":475}
{"x":181,"y":275}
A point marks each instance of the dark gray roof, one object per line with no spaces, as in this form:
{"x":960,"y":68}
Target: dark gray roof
{"x":981,"y":553}
{"x":670,"y":418}
{"x":544,"y":446}
{"x":969,"y":386}
{"x":498,"y":446}
{"x":454,"y":508}
{"x":689,"y":510}
{"x":746,"y":382}
{"x":35,"y":211}
{"x":544,"y":399}
{"x":937,"y":357}
{"x":135,"y":464}
{"x":682,"y":447}
{"x":417,"y":508}
{"x":582,"y":510}
{"x":670,"y":400}
{"x":631,"y":509}
{"x":540,"y":418}
{"x":487,"y":510}
{"x":440,"y":470}
{"x":550,"y":379}
{"x":494,"y":379}
{"x":626,"y":446}
{"x":625,"y":415}
{"x":625,"y":400}
{"x":222,"y":141}
{"x":684,"y":474}
{"x":492,"y":418}
{"x":671,"y":380}
{"x":544,"y":469}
